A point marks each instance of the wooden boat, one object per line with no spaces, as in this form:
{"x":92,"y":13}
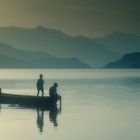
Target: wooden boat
{"x":28,"y":100}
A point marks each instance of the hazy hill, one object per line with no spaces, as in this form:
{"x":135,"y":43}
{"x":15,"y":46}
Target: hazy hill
{"x":61,"y":63}
{"x":58,"y":44}
{"x":15,"y":58}
{"x":8,"y":62}
{"x":121,"y":42}
{"x":131,"y":60}
{"x":25,"y":55}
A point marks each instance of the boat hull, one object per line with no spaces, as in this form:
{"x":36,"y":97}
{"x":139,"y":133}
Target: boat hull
{"x":27,"y":100}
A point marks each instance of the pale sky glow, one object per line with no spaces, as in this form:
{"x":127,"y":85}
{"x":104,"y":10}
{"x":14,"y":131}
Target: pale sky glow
{"x":75,"y":17}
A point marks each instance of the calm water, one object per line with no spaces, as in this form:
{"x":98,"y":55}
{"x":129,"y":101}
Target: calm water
{"x":96,"y":105}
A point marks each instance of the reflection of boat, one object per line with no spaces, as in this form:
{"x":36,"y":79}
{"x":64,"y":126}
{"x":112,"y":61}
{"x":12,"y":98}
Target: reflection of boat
{"x":27,"y":100}
{"x":53,"y":112}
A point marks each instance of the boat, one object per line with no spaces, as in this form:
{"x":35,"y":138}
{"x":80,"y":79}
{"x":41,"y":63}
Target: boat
{"x":28,"y":100}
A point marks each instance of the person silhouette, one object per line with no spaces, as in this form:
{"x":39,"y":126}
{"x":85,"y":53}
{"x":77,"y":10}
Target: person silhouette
{"x":53,"y":92}
{"x":40,"y":85}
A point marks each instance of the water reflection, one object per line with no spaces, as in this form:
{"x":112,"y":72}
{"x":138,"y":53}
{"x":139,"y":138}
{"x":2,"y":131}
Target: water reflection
{"x":40,"y":112}
{"x":40,"y":119}
{"x":53,"y":112}
{"x":53,"y":115}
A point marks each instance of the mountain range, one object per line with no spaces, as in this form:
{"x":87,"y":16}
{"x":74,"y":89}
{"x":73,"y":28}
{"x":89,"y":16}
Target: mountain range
{"x":131,"y":60}
{"x":43,"y":45}
{"x":14,"y":58}
{"x":120,"y":42}
{"x":58,"y":44}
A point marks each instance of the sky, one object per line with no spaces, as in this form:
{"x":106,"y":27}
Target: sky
{"x":91,"y":18}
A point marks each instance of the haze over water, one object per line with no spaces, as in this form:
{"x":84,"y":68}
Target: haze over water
{"x":97,"y":104}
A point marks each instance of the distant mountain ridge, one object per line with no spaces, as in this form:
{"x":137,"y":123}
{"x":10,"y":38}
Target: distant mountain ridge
{"x":131,"y":60}
{"x":58,"y":44}
{"x":121,"y":42}
{"x":14,"y":58}
{"x":92,"y":52}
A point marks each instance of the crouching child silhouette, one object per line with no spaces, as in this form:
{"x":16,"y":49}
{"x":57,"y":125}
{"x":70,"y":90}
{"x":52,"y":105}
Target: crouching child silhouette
{"x":53,"y":92}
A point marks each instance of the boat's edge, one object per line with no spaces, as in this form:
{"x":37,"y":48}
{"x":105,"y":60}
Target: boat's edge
{"x":22,"y":96}
{"x":27,"y":100}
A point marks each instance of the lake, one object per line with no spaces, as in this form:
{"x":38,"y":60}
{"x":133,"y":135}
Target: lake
{"x":97,"y":104}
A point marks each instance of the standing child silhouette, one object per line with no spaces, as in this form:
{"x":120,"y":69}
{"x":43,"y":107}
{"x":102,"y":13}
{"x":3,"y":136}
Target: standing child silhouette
{"x":40,"y":85}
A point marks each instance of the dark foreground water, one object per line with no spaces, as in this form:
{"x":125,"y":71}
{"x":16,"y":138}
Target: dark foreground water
{"x":96,"y":105}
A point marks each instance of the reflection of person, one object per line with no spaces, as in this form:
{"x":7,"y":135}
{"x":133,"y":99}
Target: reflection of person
{"x":53,"y":92}
{"x":40,"y":85}
{"x":53,"y":115}
{"x":40,"y":119}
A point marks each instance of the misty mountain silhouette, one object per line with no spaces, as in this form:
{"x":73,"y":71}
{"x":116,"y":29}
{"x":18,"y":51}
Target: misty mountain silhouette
{"x":121,"y":42}
{"x":14,"y":58}
{"x":131,"y":60}
{"x":58,"y":44}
